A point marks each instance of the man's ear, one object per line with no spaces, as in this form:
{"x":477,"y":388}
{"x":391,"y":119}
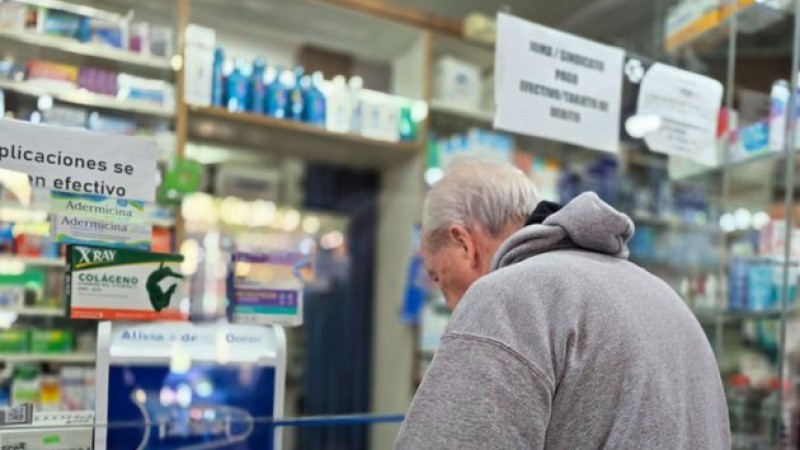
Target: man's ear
{"x":464,"y":241}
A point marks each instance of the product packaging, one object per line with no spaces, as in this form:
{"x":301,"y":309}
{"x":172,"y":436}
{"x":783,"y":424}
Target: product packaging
{"x":111,"y":34}
{"x":50,"y":74}
{"x":278,"y":94}
{"x":14,"y":340}
{"x":296,"y":100}
{"x":315,"y":108}
{"x":51,"y":341}
{"x":120,"y":284}
{"x":759,"y":285}
{"x":12,"y":16}
{"x":236,"y":89}
{"x":457,"y":82}
{"x":145,"y":90}
{"x":258,"y":90}
{"x":61,"y":23}
{"x":99,"y":81}
{"x":266,"y":288}
{"x":338,"y":110}
{"x":200,"y":82}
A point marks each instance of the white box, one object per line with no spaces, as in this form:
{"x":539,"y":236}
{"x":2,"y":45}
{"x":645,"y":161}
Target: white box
{"x":457,"y":82}
{"x":200,"y":44}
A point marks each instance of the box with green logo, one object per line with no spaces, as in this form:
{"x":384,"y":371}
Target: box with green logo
{"x":51,"y":341}
{"x":14,"y":340}
{"x":106,"y":283}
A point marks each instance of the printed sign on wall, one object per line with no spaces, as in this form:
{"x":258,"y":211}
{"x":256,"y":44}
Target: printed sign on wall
{"x":80,"y":161}
{"x":557,"y":86}
{"x":679,"y":110}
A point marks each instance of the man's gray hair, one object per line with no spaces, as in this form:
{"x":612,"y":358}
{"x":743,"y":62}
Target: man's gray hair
{"x":477,"y":195}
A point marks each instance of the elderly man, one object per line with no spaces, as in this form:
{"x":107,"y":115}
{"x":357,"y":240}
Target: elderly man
{"x":564,"y":344}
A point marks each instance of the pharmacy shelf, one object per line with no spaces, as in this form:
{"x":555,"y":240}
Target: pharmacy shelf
{"x":75,"y":8}
{"x":443,"y":108}
{"x":34,"y":261}
{"x":711,"y":316}
{"x":37,"y":312}
{"x":65,"y":358}
{"x":88,"y":99}
{"x":296,"y":139}
{"x":711,"y":29}
{"x":91,"y":50}
{"x":672,"y":223}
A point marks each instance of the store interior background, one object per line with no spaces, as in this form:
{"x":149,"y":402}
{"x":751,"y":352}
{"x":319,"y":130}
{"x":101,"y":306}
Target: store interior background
{"x":353,"y":197}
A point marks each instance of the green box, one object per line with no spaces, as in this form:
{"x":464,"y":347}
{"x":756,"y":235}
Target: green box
{"x":14,"y":341}
{"x":51,"y":341}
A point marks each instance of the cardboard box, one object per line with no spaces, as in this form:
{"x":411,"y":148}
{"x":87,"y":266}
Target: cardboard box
{"x":457,"y":82}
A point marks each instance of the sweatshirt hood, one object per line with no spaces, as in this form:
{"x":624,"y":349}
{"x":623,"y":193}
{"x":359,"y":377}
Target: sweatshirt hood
{"x":585,"y":223}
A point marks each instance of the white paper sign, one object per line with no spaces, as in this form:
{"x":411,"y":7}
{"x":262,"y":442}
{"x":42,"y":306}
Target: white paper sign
{"x":686,"y":107}
{"x":80,"y":161}
{"x":556,"y":85}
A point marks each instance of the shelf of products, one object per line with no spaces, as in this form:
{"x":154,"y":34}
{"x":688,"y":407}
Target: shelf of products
{"x":98,"y":51}
{"x":34,"y":261}
{"x":448,"y":109}
{"x":74,"y":8}
{"x":296,"y":138}
{"x":37,"y":312}
{"x":65,"y":358}
{"x":89,"y":99}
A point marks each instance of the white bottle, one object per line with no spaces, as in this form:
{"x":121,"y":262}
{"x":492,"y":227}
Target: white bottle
{"x":355,"y":85}
{"x":338,"y":111}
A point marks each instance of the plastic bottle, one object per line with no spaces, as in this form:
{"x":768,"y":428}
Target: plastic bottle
{"x":296,"y":100}
{"x":338,"y":111}
{"x":236,"y":89}
{"x":217,"y":79}
{"x":354,"y":93}
{"x":408,"y":129}
{"x":315,"y":102}
{"x":278,"y":95}
{"x":258,"y":90}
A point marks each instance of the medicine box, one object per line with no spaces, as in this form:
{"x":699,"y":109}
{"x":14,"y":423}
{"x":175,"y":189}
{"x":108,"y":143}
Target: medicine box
{"x":457,"y":82}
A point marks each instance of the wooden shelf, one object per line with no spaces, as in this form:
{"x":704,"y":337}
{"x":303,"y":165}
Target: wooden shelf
{"x":297,"y":139}
{"x":88,"y":99}
{"x":438,"y":107}
{"x":91,"y":50}
{"x":66,"y":358}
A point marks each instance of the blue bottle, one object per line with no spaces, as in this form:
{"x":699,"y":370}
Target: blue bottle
{"x":278,"y":95}
{"x":258,"y":90}
{"x":296,"y":100}
{"x":217,"y":83}
{"x":236,"y":89}
{"x":315,"y":105}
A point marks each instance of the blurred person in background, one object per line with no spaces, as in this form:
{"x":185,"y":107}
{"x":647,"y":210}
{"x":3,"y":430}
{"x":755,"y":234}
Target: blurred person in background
{"x":556,"y":340}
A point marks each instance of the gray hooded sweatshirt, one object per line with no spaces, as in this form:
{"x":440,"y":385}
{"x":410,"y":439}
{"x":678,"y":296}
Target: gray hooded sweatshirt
{"x":567,"y":345}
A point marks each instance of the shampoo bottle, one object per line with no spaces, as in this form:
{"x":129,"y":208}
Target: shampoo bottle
{"x":278,"y":95}
{"x":236,"y":89}
{"x":258,"y":90}
{"x":315,"y":101}
{"x":296,"y":101}
{"x":217,"y":79}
